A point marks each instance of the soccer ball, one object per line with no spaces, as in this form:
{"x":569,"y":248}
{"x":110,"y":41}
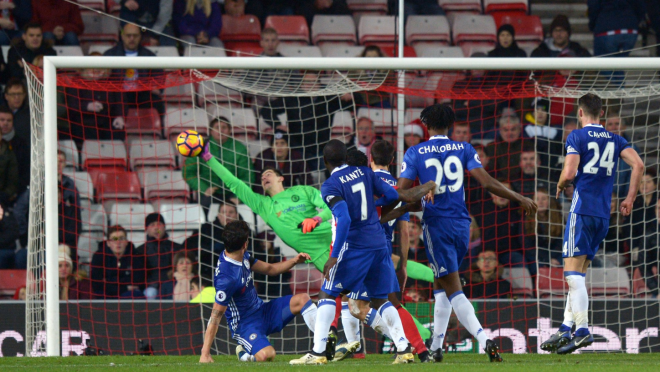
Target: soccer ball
{"x":190,"y":143}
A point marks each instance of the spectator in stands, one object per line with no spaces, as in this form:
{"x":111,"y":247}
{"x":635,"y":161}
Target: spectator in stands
{"x":416,"y":252}
{"x":370,"y":98}
{"x":415,"y":295}
{"x":116,"y":270}
{"x":653,"y":13}
{"x":308,"y":118}
{"x":69,"y":190}
{"x":233,"y":155}
{"x":13,"y":16}
{"x":506,"y":45}
{"x":198,"y":22}
{"x":70,"y":223}
{"x":31,"y":45}
{"x":9,"y":180}
{"x":416,"y":7}
{"x":485,"y":280}
{"x":130,"y":47}
{"x":157,"y":252}
{"x":90,"y":113}
{"x":16,"y":98}
{"x":544,"y":231}
{"x":266,"y":251}
{"x":617,"y":241}
{"x":414,"y":133}
{"x":309,"y":9}
{"x":644,"y":205}
{"x":365,"y":136}
{"x":615,"y":25}
{"x":479,"y":113}
{"x":502,"y":231}
{"x":183,"y":284}
{"x":559,"y":43}
{"x":483,"y":156}
{"x":270,"y":42}
{"x":19,"y":146}
{"x":20,"y":294}
{"x":60,"y":21}
{"x":505,"y":150}
{"x":8,"y":236}
{"x":616,"y":124}
{"x":154,"y":15}
{"x":72,"y":286}
{"x":645,"y":258}
{"x":235,"y":8}
{"x":289,"y":162}
{"x":557,"y":151}
{"x":537,"y":122}
{"x":475,"y":194}
{"x":530,"y":176}
{"x":461,"y":132}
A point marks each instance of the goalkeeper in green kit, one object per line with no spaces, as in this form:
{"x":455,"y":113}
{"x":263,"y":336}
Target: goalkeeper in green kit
{"x":292,"y":213}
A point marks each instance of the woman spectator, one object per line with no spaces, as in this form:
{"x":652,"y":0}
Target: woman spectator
{"x":414,"y":134}
{"x":116,"y":271}
{"x":198,"y":21}
{"x":644,"y":206}
{"x":184,"y":284}
{"x":545,"y":230}
{"x":91,"y":113}
{"x":72,"y":286}
{"x":486,"y":281}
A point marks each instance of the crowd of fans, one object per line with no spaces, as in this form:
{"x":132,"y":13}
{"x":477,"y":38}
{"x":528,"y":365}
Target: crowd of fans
{"x":520,"y":142}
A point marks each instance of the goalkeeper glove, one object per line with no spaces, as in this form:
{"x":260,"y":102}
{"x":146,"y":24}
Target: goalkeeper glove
{"x":206,"y":153}
{"x":309,"y":224}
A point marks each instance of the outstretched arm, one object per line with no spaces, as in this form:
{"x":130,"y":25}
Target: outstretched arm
{"x":494,"y":186}
{"x":631,"y":158}
{"x":278,"y":268}
{"x":409,"y":195}
{"x":211,"y":330}
{"x":389,"y":214}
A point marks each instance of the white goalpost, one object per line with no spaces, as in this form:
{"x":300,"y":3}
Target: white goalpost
{"x":350,"y":78}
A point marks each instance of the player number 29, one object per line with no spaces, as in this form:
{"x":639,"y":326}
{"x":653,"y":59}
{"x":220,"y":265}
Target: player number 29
{"x":454,"y":173}
{"x":606,"y":160}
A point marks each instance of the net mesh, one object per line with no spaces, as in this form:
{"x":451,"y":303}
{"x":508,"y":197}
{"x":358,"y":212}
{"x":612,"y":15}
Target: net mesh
{"x":116,"y":131}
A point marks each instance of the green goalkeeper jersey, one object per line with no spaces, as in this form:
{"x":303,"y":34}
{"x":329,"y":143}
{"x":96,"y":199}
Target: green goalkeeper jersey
{"x":284,"y":212}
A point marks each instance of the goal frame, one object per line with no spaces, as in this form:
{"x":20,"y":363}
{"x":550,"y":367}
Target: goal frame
{"x":52,"y":64}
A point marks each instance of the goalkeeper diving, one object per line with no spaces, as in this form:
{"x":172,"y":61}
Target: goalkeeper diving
{"x":293,"y":214}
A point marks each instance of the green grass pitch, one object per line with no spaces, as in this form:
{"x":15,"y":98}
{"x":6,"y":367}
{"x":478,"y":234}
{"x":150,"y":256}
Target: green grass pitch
{"x":375,"y":363}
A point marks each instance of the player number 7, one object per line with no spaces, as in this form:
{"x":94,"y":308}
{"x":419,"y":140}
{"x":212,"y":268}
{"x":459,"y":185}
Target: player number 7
{"x":359,"y":187}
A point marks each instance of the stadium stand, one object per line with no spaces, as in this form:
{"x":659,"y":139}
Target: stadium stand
{"x":433,"y":30}
{"x":493,"y":6}
{"x":376,"y":30}
{"x":292,"y":30}
{"x":334,"y":30}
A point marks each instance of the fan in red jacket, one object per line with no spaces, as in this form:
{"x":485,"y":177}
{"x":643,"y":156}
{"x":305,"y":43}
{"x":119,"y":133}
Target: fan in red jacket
{"x":60,"y":21}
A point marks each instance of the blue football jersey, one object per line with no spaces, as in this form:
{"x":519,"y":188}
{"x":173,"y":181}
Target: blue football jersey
{"x":444,"y":161}
{"x":599,"y":152}
{"x":389,"y":226}
{"x":234,"y":288}
{"x":357,"y":187}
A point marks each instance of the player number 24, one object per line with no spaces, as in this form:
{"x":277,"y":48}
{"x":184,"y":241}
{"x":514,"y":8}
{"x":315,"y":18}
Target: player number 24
{"x":454,"y":174}
{"x":606,"y":159}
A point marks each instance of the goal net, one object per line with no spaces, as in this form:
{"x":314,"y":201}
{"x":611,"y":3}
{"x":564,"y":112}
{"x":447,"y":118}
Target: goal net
{"x":140,"y":225}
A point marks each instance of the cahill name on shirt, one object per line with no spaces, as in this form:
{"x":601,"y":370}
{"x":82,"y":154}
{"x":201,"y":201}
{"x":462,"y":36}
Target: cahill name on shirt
{"x":443,"y":148}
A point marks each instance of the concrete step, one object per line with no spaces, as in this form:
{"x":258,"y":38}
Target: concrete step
{"x":570,"y":9}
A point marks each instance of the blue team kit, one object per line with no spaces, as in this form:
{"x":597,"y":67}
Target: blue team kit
{"x":587,"y":224}
{"x":446,"y":221}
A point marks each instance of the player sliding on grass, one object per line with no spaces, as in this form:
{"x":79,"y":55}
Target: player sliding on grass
{"x":446,"y":220}
{"x":249,"y":318}
{"x":592,"y":154}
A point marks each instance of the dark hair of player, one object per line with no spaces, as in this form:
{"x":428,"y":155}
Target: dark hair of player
{"x":591,"y":104}
{"x":334,"y":153}
{"x":437,"y":117}
{"x":235,"y":235}
{"x":5,"y":110}
{"x":382,"y":153}
{"x":219,"y":119}
{"x":274,"y":170}
{"x":356,"y":158}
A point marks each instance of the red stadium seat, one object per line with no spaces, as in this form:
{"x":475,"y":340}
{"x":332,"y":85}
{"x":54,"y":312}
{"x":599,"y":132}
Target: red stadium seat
{"x":117,"y":184}
{"x":11,"y":280}
{"x":142,"y":121}
{"x":392,"y":51}
{"x":245,"y":28}
{"x":243,"y":49}
{"x":368,"y":6}
{"x":529,"y":29}
{"x":306,"y":280}
{"x":492,"y":6}
{"x":99,"y":28}
{"x":461,"y":5}
{"x":377,"y":30}
{"x":290,"y":29}
{"x":551,"y":282}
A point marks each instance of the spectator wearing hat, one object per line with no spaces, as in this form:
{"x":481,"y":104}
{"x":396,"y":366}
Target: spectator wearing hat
{"x":414,"y":133}
{"x":537,"y":123}
{"x":116,"y":270}
{"x":72,"y":286}
{"x":506,"y":45}
{"x":289,"y":162}
{"x":158,"y":252}
{"x":559,"y":43}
